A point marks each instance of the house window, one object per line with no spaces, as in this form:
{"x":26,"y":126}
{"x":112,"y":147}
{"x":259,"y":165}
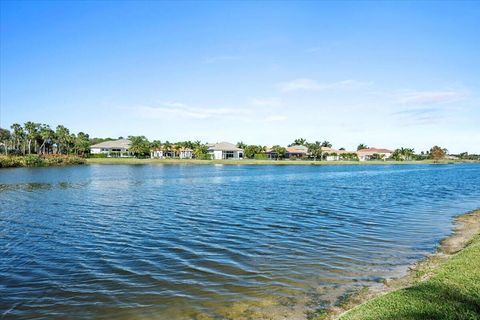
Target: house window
{"x":228,"y":154}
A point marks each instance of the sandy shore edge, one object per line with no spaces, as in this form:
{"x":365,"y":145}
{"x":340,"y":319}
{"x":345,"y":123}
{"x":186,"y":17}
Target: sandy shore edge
{"x":466,"y":227}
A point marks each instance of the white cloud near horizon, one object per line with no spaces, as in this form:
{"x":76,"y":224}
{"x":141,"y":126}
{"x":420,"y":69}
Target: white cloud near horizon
{"x":306,"y":84}
{"x":276,"y":118}
{"x":430,"y":97}
{"x":266,"y":102}
{"x":183,"y":110}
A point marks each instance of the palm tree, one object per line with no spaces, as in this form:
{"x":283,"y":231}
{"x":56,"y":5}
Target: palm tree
{"x":18,"y":136}
{"x":32,"y":129}
{"x":315,"y":150}
{"x":47,"y":136}
{"x":362,"y":146}
{"x":299,"y":142}
{"x":5,"y":136}
{"x":326,"y":144}
{"x":62,"y":135}
{"x":241,"y":145}
{"x":139,"y":145}
{"x":177,"y":147}
{"x":167,"y":147}
{"x":82,"y":143}
{"x":280,"y":151}
{"x":408,"y":153}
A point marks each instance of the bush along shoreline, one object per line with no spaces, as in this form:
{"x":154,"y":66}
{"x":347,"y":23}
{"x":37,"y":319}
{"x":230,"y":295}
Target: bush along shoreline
{"x":33,"y":160}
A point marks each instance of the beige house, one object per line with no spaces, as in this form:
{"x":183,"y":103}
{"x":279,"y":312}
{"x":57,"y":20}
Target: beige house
{"x":296,"y":151}
{"x":366,"y":154}
{"x":114,"y":149}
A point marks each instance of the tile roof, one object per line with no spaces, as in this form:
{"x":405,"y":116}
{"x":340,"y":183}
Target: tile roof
{"x":223,"y":146}
{"x":116,"y":144}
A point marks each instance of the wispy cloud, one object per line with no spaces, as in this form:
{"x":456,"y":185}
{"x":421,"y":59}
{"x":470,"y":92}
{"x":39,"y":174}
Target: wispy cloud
{"x":266,"y":102}
{"x":220,"y":58}
{"x":430,"y":97}
{"x":305,"y":84}
{"x":183,"y":110}
{"x":276,"y":118}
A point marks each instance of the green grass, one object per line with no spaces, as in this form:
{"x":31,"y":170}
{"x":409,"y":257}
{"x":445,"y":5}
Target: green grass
{"x":453,"y":292}
{"x":249,"y":162}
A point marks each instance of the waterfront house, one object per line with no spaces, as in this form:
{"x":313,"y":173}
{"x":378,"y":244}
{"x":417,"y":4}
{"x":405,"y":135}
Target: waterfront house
{"x":331,"y":154}
{"x":271,"y":154}
{"x":114,"y":149}
{"x":297,"y":151}
{"x":162,"y":153}
{"x":224,"y":150}
{"x":372,"y":153}
{"x":292,"y":152}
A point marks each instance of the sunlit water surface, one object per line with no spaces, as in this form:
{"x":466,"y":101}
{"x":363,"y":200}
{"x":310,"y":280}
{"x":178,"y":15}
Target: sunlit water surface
{"x":215,"y":242}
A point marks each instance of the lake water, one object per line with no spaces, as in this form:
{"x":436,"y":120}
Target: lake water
{"x":215,"y":242}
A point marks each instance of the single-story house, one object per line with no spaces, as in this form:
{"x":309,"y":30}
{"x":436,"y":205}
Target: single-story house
{"x":331,"y":154}
{"x":115,"y":148}
{"x":296,"y":152}
{"x":224,"y":150}
{"x":271,"y":154}
{"x":366,"y":154}
{"x":182,"y":153}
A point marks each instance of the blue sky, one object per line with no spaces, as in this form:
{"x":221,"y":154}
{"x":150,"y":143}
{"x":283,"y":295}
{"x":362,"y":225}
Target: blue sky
{"x":387,"y":74}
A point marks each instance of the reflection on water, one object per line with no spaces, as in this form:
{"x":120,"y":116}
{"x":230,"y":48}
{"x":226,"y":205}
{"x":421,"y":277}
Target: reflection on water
{"x":215,"y":242}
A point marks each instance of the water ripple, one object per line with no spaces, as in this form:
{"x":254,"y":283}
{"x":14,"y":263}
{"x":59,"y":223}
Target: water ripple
{"x":215,"y":242}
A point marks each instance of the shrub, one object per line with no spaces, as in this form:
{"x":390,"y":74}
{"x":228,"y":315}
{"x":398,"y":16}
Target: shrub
{"x":203,"y":156}
{"x":60,"y":160}
{"x":10,"y":162}
{"x":260,"y":156}
{"x":32,"y":160}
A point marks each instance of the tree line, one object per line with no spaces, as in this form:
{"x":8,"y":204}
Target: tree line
{"x":41,"y":139}
{"x":37,"y":138}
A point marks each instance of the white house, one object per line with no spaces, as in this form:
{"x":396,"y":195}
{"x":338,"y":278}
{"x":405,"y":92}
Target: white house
{"x":115,"y":148}
{"x":182,"y":153}
{"x":366,"y":154}
{"x":225,"y":150}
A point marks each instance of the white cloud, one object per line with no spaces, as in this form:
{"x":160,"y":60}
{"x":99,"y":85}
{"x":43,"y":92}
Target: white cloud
{"x":183,"y":110}
{"x":276,"y":118}
{"x":266,"y":102}
{"x":430,"y":97}
{"x":305,"y":84}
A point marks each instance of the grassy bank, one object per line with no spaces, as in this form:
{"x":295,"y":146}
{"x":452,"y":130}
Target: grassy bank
{"x":253,"y":162}
{"x":446,"y":285}
{"x":34,"y":160}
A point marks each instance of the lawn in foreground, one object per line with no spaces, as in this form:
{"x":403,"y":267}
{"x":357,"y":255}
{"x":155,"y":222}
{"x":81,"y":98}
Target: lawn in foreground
{"x":452,"y":292}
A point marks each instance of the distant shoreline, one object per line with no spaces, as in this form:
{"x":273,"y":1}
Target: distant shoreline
{"x":134,"y":161}
{"x":32,"y":161}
